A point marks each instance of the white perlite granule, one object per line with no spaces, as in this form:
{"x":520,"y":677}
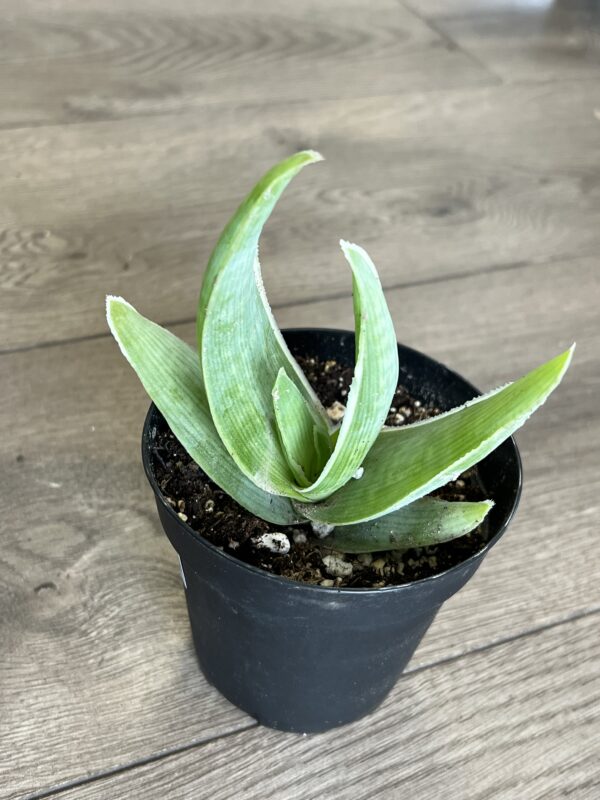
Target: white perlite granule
{"x":274,"y":542}
{"x":321,"y":529}
{"x":337,"y":567}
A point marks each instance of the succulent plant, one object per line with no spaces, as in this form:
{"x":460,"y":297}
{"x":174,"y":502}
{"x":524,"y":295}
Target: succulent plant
{"x":244,"y":411}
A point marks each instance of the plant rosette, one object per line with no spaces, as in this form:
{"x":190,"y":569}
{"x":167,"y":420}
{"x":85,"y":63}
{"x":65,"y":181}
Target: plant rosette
{"x":303,"y":656}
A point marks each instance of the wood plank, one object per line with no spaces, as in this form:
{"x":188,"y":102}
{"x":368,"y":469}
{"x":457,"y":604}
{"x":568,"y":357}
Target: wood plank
{"x":432,"y":9}
{"x":519,"y":720}
{"x":523,"y":41}
{"x":78,"y":62}
{"x":433,"y":184}
{"x":96,"y":647}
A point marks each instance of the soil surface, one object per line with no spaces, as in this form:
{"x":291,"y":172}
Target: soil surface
{"x":211,"y":512}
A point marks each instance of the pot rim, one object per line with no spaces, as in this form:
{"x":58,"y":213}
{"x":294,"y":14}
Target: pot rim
{"x":289,"y":582}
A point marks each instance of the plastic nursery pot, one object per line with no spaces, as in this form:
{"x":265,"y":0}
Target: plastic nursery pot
{"x":306,"y":658}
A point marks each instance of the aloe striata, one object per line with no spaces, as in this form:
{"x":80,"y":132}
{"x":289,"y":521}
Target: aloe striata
{"x":244,"y":411}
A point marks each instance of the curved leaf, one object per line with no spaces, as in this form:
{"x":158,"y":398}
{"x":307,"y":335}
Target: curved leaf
{"x":374,"y":382}
{"x":170,"y":373}
{"x":324,"y":443}
{"x":239,"y":240}
{"x":407,"y":463}
{"x":297,"y":430}
{"x":242,"y":349}
{"x":426,"y":521}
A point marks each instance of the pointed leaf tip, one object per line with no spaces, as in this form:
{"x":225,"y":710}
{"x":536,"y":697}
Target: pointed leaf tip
{"x":312,"y":155}
{"x":114,"y":304}
{"x":348,"y":247}
{"x":354,"y":253}
{"x":569,"y":355}
{"x":111,"y":299}
{"x":117,"y":311}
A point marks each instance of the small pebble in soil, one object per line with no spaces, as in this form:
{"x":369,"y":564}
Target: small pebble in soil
{"x":321,"y":529}
{"x":378,"y":564}
{"x":274,"y":542}
{"x":336,"y":411}
{"x":337,"y":566}
{"x":299,"y":537}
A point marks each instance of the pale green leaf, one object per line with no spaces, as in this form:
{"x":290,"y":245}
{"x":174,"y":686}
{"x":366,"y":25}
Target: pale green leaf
{"x":374,"y":382}
{"x":170,"y":373}
{"x":239,"y":240}
{"x":425,"y":522}
{"x":297,"y":429}
{"x":407,"y":463}
{"x":237,"y":251}
{"x":242,"y":349}
{"x":324,"y":443}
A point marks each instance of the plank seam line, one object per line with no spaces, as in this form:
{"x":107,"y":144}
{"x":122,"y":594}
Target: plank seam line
{"x":445,"y":37}
{"x":393,"y":287}
{"x":193,"y":111}
{"x":164,"y":754}
{"x":578,"y":615}
{"x":140,"y":762}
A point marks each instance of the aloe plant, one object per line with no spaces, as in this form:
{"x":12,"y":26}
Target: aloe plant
{"x":244,"y":411}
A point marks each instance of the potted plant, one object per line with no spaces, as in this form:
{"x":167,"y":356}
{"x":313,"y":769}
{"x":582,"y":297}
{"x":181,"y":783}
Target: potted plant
{"x":319,"y":526}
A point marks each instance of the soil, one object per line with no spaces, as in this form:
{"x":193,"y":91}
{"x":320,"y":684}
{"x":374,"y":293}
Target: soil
{"x":218,"y":518}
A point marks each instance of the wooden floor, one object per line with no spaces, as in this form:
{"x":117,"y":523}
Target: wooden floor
{"x":462,"y":140}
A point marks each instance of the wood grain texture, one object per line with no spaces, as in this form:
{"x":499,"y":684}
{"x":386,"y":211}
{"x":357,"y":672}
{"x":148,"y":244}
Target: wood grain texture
{"x":521,"y":41}
{"x":104,"y":61}
{"x":433,"y":184}
{"x":98,"y":668}
{"x":462,"y":139}
{"x":521,"y":720}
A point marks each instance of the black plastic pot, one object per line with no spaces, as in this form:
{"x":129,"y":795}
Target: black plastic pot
{"x":307,"y":658}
